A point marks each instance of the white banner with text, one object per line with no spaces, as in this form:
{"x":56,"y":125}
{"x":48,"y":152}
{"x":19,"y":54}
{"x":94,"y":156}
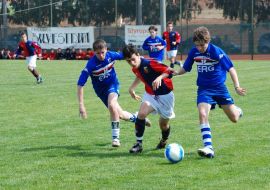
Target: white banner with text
{"x":136,"y":34}
{"x":62,"y":37}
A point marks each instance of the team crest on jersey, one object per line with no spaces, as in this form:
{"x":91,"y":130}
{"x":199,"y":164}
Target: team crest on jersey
{"x":145,"y":69}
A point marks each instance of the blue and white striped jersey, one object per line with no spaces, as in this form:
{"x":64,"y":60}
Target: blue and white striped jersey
{"x":212,"y":65}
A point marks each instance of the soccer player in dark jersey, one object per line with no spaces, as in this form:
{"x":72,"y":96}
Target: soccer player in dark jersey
{"x":172,"y":39}
{"x":105,"y":83}
{"x":30,"y":50}
{"x":212,"y":66}
{"x":154,"y":44}
{"x":158,"y":97}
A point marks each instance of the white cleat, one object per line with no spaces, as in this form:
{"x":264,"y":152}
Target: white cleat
{"x":116,"y":143}
{"x":206,"y":152}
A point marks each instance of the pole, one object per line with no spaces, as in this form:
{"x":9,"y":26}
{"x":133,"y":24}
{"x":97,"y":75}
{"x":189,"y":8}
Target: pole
{"x":51,"y":20}
{"x":252,"y":29}
{"x":181,"y":31}
{"x":116,"y":25}
{"x":139,"y":12}
{"x":5,"y":21}
{"x":162,"y":15}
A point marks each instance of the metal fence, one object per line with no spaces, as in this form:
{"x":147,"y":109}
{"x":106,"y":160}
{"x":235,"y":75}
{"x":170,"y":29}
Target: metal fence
{"x":232,"y":38}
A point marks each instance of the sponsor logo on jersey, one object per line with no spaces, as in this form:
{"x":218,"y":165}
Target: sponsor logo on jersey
{"x":205,"y":64}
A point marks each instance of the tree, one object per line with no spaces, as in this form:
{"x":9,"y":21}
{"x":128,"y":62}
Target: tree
{"x":241,"y":9}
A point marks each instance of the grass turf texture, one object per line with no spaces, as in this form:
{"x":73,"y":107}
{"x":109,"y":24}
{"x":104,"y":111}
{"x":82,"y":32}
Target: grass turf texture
{"x":44,"y":144}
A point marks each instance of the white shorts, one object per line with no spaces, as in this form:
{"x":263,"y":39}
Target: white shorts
{"x":162,"y":104}
{"x":31,"y":61}
{"x":171,"y":53}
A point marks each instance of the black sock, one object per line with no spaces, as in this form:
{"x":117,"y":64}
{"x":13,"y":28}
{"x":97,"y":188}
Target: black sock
{"x":165,"y":134}
{"x":140,"y":127}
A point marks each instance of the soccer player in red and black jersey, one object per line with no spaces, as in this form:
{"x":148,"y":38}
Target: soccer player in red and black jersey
{"x":30,"y":50}
{"x":172,"y":39}
{"x":158,"y":97}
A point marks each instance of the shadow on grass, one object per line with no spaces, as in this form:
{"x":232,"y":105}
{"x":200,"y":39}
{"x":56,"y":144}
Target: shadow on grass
{"x":76,"y":147}
{"x":106,"y":152}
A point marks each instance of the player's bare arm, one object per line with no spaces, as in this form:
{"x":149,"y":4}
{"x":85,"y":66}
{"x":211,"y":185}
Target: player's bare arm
{"x":132,"y":89}
{"x":239,"y":90}
{"x":82,"y":110}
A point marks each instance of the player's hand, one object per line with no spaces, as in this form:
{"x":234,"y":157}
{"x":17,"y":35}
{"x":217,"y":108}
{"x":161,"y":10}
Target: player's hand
{"x":241,"y":91}
{"x":174,"y":43}
{"x":156,"y":83}
{"x":160,"y":48}
{"x":14,"y":56}
{"x":82,"y":112}
{"x":134,"y":95}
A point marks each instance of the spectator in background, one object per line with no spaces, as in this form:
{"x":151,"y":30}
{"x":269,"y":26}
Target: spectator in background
{"x":2,"y":53}
{"x":80,"y":55}
{"x":154,"y":44}
{"x":89,"y":53}
{"x":73,"y":53}
{"x":9,"y":54}
{"x":59,"y":54}
{"x":173,"y":39}
{"x":68,"y":54}
{"x":45,"y":55}
{"x":52,"y":55}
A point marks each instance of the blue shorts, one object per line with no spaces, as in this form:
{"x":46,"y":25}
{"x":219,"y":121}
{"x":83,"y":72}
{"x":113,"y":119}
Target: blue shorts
{"x":217,"y":95}
{"x":104,"y":94}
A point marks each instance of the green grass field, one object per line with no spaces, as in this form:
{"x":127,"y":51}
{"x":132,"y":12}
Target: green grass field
{"x":45,"y":145}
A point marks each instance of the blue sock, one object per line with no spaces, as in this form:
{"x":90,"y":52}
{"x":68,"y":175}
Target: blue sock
{"x":206,"y":135}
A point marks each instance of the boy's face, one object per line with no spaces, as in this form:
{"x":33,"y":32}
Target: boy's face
{"x":24,"y":38}
{"x":169,"y":27}
{"x":134,"y":60}
{"x":101,"y":53}
{"x":153,"y":33}
{"x":201,"y":47}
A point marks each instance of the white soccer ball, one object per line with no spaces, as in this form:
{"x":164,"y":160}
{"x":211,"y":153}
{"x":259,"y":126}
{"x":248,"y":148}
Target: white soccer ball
{"x":174,"y":153}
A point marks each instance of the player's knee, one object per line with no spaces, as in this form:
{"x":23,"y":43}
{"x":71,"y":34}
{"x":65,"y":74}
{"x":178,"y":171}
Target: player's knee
{"x":142,"y":115}
{"x":112,"y":107}
{"x":30,"y":68}
{"x":234,"y":118}
{"x":203,"y":116}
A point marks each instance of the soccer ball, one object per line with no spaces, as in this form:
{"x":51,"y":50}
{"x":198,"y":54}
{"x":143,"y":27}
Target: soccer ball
{"x":174,"y":153}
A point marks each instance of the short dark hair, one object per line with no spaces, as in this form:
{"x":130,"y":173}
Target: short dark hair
{"x":129,"y":50}
{"x":22,"y":33}
{"x":152,"y":28}
{"x":99,"y":44}
{"x":170,"y":22}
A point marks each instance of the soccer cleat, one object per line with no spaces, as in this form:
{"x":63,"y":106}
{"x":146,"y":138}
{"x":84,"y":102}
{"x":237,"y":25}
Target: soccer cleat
{"x":172,"y":65}
{"x":162,"y":143}
{"x":206,"y":152}
{"x":39,"y":80}
{"x":137,"y":148}
{"x":116,"y":143}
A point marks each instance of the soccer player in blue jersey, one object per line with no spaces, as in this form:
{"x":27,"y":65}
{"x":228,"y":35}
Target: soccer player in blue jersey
{"x":158,"y":98}
{"x":30,"y":50}
{"x":212,"y":66}
{"x":105,"y":83}
{"x":154,"y":44}
{"x":173,"y":39}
